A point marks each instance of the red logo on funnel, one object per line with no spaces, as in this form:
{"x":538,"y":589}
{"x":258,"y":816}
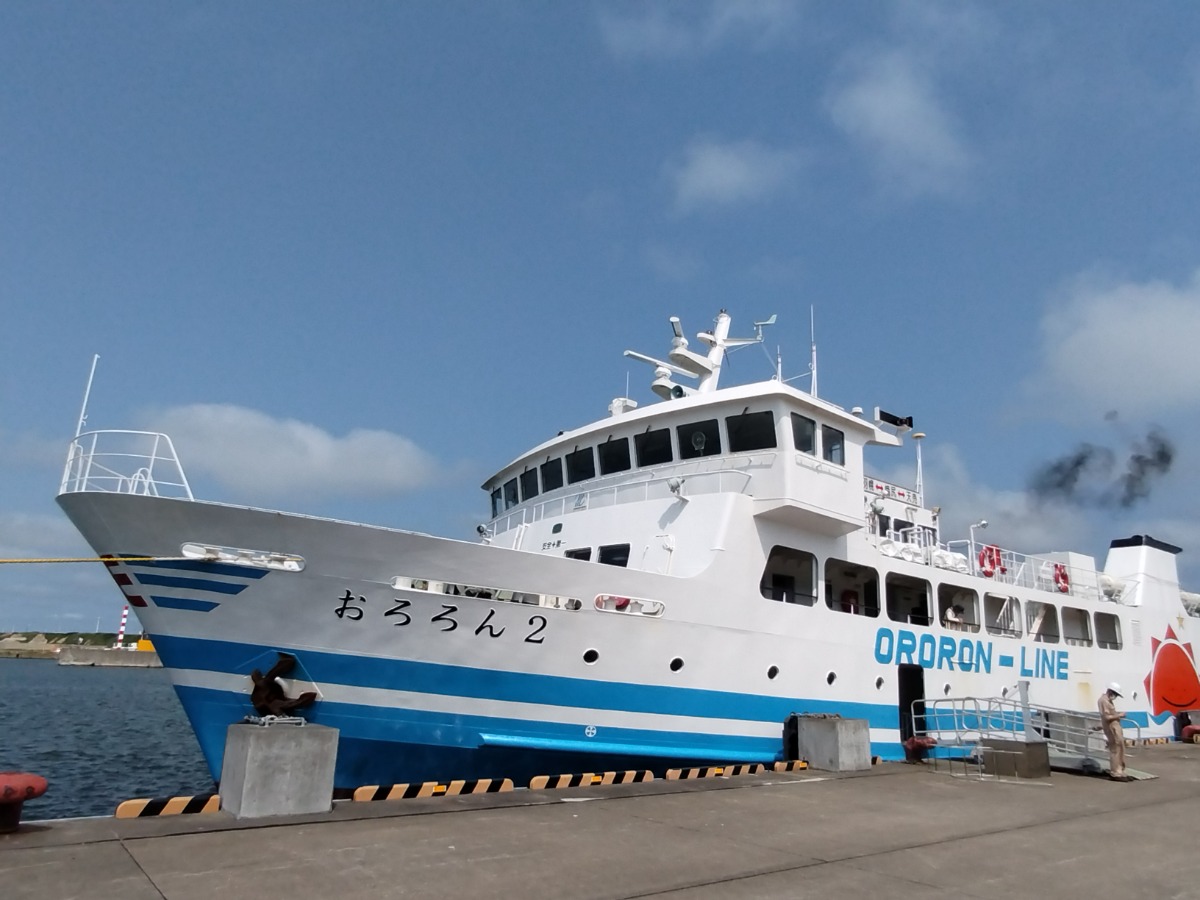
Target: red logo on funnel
{"x":1172,"y":684}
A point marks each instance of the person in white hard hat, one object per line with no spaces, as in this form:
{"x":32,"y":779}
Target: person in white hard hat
{"x":1114,"y":735}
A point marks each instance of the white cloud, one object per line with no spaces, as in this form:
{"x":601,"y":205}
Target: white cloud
{"x":723,"y":174}
{"x":257,"y":455}
{"x":693,"y":28}
{"x":1124,"y":346}
{"x":890,"y":108}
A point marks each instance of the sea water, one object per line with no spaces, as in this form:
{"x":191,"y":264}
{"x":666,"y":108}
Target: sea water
{"x":98,"y":735}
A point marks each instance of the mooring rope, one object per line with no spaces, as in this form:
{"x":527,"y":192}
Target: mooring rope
{"x":100,"y":559}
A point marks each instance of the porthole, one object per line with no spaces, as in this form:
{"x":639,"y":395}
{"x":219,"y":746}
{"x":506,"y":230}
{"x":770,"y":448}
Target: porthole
{"x":676,"y":664}
{"x":557,"y":529}
{"x":879,"y":683}
{"x":772,"y":672}
{"x":831,"y":678}
{"x":590,"y":656}
{"x":946,"y":689}
{"x":1004,"y":693}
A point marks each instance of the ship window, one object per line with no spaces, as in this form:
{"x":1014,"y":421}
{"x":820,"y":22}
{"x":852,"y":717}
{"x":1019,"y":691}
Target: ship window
{"x":1076,"y":627}
{"x":510,"y":493}
{"x":1002,"y":615}
{"x":581,"y":465}
{"x":804,"y":434}
{"x":833,"y":445}
{"x":751,"y":431}
{"x":958,"y":608}
{"x":790,"y":576}
{"x":552,"y":474}
{"x":653,"y":448}
{"x":614,"y":456}
{"x":699,"y":439}
{"x":908,"y":599}
{"x":529,"y":484}
{"x":614,"y":555}
{"x":851,"y":588}
{"x":1108,"y":631}
{"x":885,"y":525}
{"x":584,"y":553}
{"x":497,"y":506}
{"x":1041,"y":621}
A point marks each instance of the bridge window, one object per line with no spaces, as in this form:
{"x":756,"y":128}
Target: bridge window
{"x":1108,"y":631}
{"x":614,"y":555}
{"x":1041,"y":621}
{"x":581,"y":465}
{"x":751,"y":431}
{"x":653,"y":448}
{"x":1002,"y":615}
{"x":833,"y":445}
{"x":529,"y":484}
{"x":804,"y":434}
{"x":497,"y":503}
{"x":699,"y":439}
{"x":958,"y":608}
{"x":552,"y":474}
{"x":614,"y":456}
{"x":908,"y":599}
{"x":790,"y":576}
{"x":1076,"y":627}
{"x":510,"y":493}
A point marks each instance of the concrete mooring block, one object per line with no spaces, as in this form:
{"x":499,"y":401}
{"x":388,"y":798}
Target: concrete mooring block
{"x":829,"y":743}
{"x":278,"y":770}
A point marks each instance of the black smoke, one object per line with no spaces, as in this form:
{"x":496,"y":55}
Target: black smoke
{"x":1097,"y":476}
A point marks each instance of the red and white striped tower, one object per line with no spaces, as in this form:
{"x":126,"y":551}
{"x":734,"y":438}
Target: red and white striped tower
{"x":124,"y":619}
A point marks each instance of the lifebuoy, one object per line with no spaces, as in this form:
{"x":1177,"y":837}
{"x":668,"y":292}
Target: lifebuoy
{"x":1062,"y":580}
{"x":989,"y":561}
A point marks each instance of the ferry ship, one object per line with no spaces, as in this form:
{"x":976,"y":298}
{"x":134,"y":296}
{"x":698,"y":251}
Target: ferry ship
{"x":663,"y":586}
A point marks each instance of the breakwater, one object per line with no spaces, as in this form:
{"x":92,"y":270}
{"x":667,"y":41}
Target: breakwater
{"x":106,"y":658}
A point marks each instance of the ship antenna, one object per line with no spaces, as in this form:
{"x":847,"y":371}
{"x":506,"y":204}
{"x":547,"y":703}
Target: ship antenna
{"x":920,"y":480}
{"x":87,"y":393}
{"x":812,"y":366}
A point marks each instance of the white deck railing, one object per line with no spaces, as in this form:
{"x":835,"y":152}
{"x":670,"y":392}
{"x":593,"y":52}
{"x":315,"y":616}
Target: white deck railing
{"x":125,"y":462}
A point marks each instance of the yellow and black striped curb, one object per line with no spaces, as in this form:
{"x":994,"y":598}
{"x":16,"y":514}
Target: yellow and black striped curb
{"x":168,"y":806}
{"x":586,"y":779}
{"x":791,"y":765}
{"x":431,"y":789}
{"x":1150,"y":742}
{"x":714,"y":772}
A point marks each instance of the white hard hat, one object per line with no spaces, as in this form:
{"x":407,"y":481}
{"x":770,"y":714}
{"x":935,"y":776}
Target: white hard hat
{"x":1115,"y":688}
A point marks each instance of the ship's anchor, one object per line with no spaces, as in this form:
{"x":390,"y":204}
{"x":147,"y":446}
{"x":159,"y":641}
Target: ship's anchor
{"x":268,"y":696}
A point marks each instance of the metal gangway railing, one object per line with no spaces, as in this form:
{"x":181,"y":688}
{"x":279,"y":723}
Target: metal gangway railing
{"x":125,"y":462}
{"x":960,"y":725}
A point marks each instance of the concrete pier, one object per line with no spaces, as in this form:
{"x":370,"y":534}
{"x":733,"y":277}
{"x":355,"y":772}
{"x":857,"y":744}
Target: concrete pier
{"x":896,"y":830}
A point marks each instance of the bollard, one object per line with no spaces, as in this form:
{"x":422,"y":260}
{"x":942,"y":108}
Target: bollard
{"x":15,"y":789}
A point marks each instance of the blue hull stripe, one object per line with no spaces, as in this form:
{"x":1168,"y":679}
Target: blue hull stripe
{"x":193,"y":584}
{"x":204,"y":568}
{"x":185,"y":603}
{"x":383,"y":745}
{"x":323,"y":667}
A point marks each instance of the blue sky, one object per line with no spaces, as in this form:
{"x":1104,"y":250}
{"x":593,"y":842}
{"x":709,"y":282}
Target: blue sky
{"x":354,"y":257}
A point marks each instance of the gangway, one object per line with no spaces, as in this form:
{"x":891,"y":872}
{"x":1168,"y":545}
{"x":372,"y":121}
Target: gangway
{"x":961,"y":725}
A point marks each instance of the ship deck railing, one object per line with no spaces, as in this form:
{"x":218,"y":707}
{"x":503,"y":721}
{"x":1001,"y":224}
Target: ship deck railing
{"x":1014,"y":568}
{"x":125,"y":462}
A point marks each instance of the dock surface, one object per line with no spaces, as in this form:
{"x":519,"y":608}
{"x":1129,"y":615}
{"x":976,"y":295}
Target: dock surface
{"x":897,"y":830}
